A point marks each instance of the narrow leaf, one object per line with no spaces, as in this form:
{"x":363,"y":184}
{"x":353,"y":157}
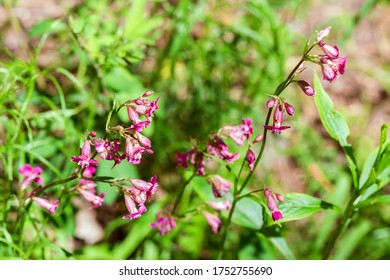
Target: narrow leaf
{"x":335,"y":125}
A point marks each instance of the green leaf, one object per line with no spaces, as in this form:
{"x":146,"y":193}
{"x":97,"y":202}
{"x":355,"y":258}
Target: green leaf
{"x":106,"y":170}
{"x":45,"y":27}
{"x":248,"y":213}
{"x":335,"y":125}
{"x":282,"y":245}
{"x":298,"y":206}
{"x":374,"y":200}
{"x":376,"y":169}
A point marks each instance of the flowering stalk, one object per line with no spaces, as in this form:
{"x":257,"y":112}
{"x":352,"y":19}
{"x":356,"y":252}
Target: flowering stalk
{"x":328,"y":61}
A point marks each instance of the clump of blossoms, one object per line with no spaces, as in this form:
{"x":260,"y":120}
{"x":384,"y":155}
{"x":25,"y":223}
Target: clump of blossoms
{"x":32,"y":178}
{"x":216,"y":148}
{"x":120,"y":142}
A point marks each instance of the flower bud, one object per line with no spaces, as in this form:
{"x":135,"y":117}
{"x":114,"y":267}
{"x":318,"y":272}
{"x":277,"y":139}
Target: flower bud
{"x":323,"y":33}
{"x":147,"y":93}
{"x":306,"y":88}
{"x":271,"y":103}
{"x":280,"y":197}
{"x":289,"y":109}
{"x":259,"y":138}
{"x":331,"y":52}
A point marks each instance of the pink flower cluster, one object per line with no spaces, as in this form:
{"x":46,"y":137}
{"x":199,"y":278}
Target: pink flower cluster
{"x":279,"y":106}
{"x":140,"y":112}
{"x":136,"y":196}
{"x":213,"y":219}
{"x":217,"y":147}
{"x":30,"y":176}
{"x":164,"y":224}
{"x":331,"y":63}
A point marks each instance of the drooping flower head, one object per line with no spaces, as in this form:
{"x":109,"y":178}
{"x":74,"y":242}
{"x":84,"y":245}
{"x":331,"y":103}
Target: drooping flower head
{"x":137,"y":195}
{"x":46,"y":204}
{"x":84,"y":159}
{"x":217,"y":147}
{"x":141,"y":107}
{"x":238,"y":133}
{"x":250,"y":158}
{"x":277,"y":126}
{"x":272,"y":204}
{"x":30,"y":175}
{"x":213,"y":220}
{"x":193,"y":156}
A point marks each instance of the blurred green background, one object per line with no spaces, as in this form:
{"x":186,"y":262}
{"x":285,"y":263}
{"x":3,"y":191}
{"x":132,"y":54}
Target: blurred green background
{"x":212,"y":63}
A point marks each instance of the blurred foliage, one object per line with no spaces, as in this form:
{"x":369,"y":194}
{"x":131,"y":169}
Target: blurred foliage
{"x":212,"y":63}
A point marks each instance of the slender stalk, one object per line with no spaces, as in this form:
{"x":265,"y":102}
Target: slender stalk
{"x":225,"y":230}
{"x":342,"y":224}
{"x":282,"y":86}
{"x":180,"y":194}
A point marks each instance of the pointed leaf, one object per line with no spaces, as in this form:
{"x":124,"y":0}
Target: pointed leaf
{"x":248,"y":213}
{"x":335,"y":125}
{"x":298,"y":206}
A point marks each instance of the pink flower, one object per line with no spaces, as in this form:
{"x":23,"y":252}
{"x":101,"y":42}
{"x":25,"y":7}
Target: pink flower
{"x":217,"y":147}
{"x":84,"y":159}
{"x":289,"y":109}
{"x":134,"y":212}
{"x":141,"y":107}
{"x":323,"y":33}
{"x":220,"y":205}
{"x":278,"y":120}
{"x":149,"y":188}
{"x":331,"y":52}
{"x":250,"y":158}
{"x":109,"y":150}
{"x":219,"y":185}
{"x":134,"y":151}
{"x":213,"y":220}
{"x":46,"y":204}
{"x":271,"y":102}
{"x":272,"y":204}
{"x":331,"y":67}
{"x":137,"y":195}
{"x":95,"y":200}
{"x":306,"y":88}
{"x":238,"y":133}
{"x":30,"y":175}
{"x":164,"y":224}
{"x":196,"y":159}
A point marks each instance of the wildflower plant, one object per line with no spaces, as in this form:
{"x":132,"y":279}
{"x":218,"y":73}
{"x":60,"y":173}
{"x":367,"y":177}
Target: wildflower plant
{"x":76,"y":139}
{"x":271,"y":209}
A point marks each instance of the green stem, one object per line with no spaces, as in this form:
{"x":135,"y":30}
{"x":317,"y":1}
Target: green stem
{"x":342,"y":224}
{"x":282,"y":86}
{"x":180,"y":194}
{"x":225,"y":230}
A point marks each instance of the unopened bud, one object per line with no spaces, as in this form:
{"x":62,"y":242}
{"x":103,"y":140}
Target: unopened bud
{"x":289,"y":109}
{"x":271,"y":103}
{"x":258,"y":139}
{"x":147,"y":93}
{"x":306,"y":88}
{"x":280,"y":197}
{"x":92,"y":134}
{"x":323,"y":33}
